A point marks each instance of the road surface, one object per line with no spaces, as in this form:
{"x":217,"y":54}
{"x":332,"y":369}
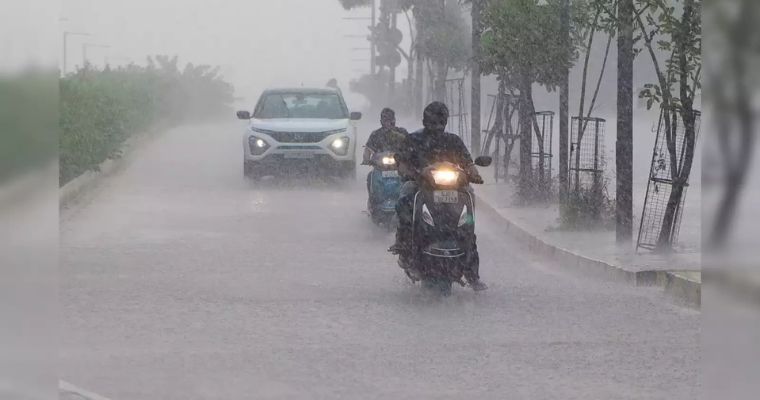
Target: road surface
{"x":181,"y":280}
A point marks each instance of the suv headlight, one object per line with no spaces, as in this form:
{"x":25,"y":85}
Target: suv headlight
{"x":340,"y":145}
{"x":257,"y":145}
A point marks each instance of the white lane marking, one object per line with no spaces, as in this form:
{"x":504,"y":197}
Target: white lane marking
{"x":68,"y":387}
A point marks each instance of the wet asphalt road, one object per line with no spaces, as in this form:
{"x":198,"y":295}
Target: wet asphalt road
{"x":181,"y":280}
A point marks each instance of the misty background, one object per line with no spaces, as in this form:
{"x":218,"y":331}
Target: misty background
{"x":260,"y":44}
{"x":257,"y":44}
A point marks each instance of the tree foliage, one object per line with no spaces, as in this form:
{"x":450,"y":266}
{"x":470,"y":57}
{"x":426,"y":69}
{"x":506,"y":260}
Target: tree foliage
{"x":522,"y":38}
{"x":100,"y":109}
{"x":678,"y":33}
{"x":443,"y":33}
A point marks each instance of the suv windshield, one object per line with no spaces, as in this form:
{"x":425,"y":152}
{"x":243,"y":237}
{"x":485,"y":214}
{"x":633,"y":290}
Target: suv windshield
{"x":301,"y":105}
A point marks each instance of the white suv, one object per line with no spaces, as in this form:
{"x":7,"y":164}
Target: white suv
{"x":306,"y":129}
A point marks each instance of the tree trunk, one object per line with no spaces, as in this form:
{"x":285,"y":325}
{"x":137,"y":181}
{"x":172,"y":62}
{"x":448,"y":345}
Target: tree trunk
{"x":497,"y":129}
{"x":584,"y":78}
{"x":680,"y":175}
{"x":509,"y":135}
{"x":624,"y":143}
{"x":475,"y":78}
{"x":526,"y":133}
{"x":564,"y":115}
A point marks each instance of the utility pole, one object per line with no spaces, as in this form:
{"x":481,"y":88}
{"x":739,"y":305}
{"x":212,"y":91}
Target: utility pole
{"x":477,"y":30}
{"x":372,"y":49}
{"x":392,"y":74}
{"x":564,"y":114}
{"x":365,"y":37}
{"x":66,"y":34}
{"x":624,"y":143}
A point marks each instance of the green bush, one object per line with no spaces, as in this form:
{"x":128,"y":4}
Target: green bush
{"x":100,"y":109}
{"x":588,"y":208}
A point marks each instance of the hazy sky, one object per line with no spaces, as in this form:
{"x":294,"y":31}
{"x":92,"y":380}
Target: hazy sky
{"x":258,"y":43}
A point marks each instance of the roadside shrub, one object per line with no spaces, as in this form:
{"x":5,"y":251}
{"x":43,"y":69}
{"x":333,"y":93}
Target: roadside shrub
{"x":100,"y":109}
{"x":588,"y":208}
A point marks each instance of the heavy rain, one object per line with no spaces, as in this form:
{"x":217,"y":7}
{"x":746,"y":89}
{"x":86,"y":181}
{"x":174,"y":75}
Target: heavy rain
{"x":378,"y":199}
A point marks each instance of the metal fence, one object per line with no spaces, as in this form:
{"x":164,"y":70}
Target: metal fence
{"x":660,"y":185}
{"x":586,"y":153}
{"x":541,"y":148}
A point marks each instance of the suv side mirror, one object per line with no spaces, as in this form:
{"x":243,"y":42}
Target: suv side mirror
{"x":355,"y":116}
{"x":483,"y":161}
{"x":243,"y":115}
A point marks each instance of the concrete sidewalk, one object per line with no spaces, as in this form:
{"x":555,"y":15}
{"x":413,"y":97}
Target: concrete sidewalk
{"x":594,"y":252}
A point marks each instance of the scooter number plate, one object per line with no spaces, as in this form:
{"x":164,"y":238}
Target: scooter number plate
{"x":390,"y":174}
{"x":445,"y":196}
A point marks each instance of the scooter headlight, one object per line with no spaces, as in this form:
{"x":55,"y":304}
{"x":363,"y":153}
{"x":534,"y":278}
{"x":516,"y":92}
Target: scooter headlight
{"x":388,"y":160}
{"x":426,"y":216}
{"x":464,"y":218}
{"x":445,"y":177}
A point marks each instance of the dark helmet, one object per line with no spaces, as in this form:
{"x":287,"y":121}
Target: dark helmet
{"x":435,"y":117}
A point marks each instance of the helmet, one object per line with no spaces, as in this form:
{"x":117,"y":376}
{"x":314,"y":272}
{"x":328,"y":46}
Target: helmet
{"x":435,"y":117}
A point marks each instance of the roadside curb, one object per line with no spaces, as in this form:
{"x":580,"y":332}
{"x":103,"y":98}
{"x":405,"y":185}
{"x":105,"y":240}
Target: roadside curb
{"x":68,"y":391}
{"x":90,"y":179}
{"x":682,"y":287}
{"x":674,"y":284}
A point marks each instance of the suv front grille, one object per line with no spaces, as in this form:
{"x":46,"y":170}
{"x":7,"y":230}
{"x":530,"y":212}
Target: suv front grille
{"x":299,"y":137}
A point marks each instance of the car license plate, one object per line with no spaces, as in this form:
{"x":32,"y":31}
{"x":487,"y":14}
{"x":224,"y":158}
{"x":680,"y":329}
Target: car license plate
{"x":299,"y":154}
{"x":390,"y":174}
{"x":445,"y":196}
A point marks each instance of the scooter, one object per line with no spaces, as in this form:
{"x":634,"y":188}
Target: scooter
{"x":443,"y":228}
{"x":384,"y":187}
